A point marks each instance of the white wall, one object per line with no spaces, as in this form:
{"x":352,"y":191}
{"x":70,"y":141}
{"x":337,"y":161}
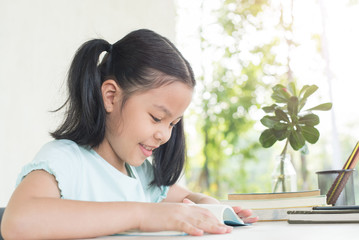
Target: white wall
{"x":38,"y":39}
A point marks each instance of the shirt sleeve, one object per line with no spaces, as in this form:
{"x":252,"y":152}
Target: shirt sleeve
{"x":55,"y":158}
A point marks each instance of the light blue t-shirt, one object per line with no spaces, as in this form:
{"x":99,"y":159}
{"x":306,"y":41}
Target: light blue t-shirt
{"x":82,"y":174}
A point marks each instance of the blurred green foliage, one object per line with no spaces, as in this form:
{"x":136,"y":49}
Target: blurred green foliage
{"x":243,"y":58}
{"x":230,"y":147}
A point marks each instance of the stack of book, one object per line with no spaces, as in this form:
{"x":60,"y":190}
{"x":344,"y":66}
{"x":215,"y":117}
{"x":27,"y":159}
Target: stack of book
{"x":335,"y":214}
{"x":274,"y":206}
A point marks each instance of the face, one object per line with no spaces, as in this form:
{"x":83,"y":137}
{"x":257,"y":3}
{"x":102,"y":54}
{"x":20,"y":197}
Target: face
{"x":144,"y":123}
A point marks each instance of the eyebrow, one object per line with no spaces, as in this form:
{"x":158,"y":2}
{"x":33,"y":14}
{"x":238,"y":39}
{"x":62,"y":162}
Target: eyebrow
{"x":163,"y":109}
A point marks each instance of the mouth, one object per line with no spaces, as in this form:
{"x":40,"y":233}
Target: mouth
{"x":146,"y":150}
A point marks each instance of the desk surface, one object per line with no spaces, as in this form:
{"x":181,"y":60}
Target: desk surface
{"x":269,"y":231}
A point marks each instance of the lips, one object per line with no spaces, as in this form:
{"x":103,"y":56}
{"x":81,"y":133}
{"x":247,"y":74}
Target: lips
{"x":146,"y":150}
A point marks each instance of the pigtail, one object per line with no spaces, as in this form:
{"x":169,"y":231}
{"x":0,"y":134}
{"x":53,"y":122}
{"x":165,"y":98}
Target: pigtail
{"x":140,"y":61}
{"x":169,"y":158}
{"x":85,"y":118}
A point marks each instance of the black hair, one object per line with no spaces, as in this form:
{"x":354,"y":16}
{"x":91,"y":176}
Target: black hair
{"x":137,"y":63}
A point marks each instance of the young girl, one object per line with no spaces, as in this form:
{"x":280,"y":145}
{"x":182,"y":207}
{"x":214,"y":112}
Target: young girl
{"x":95,"y":179}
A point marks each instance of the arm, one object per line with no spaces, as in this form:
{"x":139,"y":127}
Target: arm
{"x":179,"y":194}
{"x":36,"y":211}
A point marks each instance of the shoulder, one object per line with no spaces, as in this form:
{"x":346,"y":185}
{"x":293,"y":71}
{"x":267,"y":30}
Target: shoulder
{"x":61,"y":158}
{"x":60,"y":146}
{"x":60,"y":150}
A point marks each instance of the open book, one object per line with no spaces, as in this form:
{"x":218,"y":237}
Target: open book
{"x":224,"y":213}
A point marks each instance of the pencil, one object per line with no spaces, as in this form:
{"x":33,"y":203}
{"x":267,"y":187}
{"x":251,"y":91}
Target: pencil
{"x":342,"y":178}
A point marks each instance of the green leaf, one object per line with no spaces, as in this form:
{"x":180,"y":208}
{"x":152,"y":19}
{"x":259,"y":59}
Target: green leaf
{"x":292,"y":88}
{"x":309,"y":91}
{"x":280,"y":94}
{"x":309,"y":120}
{"x":269,"y":121}
{"x":304,"y":88}
{"x":322,"y":107}
{"x":281,"y":115}
{"x":311,"y":134}
{"x":278,"y":88}
{"x":296,"y":139}
{"x":301,"y":104}
{"x":270,"y":109}
{"x":267,"y":138}
{"x":281,"y":134}
{"x":293,"y":106}
{"x":280,"y":126}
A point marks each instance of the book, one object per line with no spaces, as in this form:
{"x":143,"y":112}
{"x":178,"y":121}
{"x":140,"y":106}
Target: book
{"x":324,"y":216}
{"x":224,"y":214}
{"x":275,"y":209}
{"x":276,"y":214}
{"x":346,"y":207}
{"x":312,"y":201}
{"x":253,"y":196}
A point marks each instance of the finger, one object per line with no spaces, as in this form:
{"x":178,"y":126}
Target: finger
{"x":251,"y":220}
{"x":244,"y":213}
{"x":191,"y":230}
{"x":186,"y":200}
{"x":206,"y":221}
{"x":237,"y":209}
{"x":228,"y":228}
{"x":216,"y":228}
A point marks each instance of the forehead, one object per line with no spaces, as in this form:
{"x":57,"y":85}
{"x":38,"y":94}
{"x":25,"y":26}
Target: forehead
{"x":172,"y":98}
{"x":155,"y":79}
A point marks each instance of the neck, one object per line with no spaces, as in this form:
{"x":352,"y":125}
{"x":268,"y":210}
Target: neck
{"x":106,"y":152}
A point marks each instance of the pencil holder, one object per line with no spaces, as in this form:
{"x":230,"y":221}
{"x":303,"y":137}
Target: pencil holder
{"x":338,"y":185}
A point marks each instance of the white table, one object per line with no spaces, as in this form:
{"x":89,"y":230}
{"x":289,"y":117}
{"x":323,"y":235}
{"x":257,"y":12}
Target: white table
{"x":269,"y":231}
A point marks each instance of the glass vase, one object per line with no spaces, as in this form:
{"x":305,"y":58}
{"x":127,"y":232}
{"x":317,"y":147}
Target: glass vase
{"x":284,"y":176}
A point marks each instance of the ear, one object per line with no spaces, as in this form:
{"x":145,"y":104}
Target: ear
{"x":111,"y":94}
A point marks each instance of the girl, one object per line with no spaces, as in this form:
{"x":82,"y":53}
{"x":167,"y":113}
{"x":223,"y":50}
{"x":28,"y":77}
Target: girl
{"x":94,"y":179}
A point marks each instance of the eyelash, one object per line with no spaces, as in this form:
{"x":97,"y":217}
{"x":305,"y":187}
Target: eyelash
{"x":157,"y":120}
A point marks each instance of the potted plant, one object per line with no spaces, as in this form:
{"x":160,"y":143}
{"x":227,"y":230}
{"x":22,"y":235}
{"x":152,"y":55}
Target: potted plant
{"x":286,"y":120}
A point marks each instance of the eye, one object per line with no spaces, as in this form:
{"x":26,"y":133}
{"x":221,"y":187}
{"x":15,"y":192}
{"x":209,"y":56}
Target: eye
{"x":172,"y":124}
{"x":155,"y":119}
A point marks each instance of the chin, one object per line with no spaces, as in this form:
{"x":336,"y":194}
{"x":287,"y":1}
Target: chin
{"x":137,"y":163}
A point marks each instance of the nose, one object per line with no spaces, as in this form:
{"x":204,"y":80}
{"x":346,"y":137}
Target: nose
{"x":162,"y":135}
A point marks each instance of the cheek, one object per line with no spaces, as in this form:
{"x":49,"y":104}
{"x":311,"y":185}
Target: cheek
{"x":114,"y":126}
{"x":135,"y":126}
{"x":138,"y":130}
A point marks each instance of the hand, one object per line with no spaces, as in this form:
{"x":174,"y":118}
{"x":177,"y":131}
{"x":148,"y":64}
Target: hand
{"x":245,"y":214}
{"x":187,"y":201}
{"x":188,"y":218}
